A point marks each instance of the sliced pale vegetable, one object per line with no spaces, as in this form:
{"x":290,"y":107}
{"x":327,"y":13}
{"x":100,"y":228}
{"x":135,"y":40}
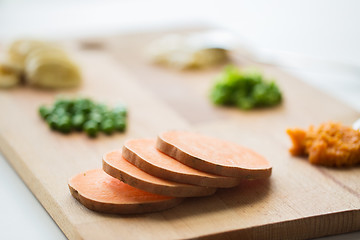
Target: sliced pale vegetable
{"x":143,"y":154}
{"x":213,"y":155}
{"x":9,"y":76}
{"x":43,"y":64}
{"x":52,"y":73}
{"x":116,"y":166}
{"x":46,"y":52}
{"x":100,"y":192}
{"x":182,"y":52}
{"x":19,"y":50}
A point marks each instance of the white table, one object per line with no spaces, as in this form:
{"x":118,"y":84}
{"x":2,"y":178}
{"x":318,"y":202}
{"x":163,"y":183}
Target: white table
{"x":316,"y":40}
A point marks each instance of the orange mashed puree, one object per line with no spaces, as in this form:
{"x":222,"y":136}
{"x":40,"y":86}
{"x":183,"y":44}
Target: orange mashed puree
{"x":331,"y":144}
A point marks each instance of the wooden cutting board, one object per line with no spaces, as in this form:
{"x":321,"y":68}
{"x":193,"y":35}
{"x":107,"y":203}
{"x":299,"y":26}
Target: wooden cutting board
{"x":298,"y":201}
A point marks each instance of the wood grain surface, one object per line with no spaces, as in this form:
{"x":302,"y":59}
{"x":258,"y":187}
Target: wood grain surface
{"x":299,"y":200}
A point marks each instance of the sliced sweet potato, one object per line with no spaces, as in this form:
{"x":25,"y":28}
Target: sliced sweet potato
{"x":143,"y":154}
{"x":100,"y":192}
{"x":115,"y":165}
{"x":213,"y":155}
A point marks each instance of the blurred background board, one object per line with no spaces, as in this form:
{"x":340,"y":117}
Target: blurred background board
{"x":299,"y":201}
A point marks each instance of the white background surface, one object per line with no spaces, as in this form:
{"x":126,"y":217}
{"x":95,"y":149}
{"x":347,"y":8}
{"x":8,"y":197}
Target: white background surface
{"x":317,"y":40}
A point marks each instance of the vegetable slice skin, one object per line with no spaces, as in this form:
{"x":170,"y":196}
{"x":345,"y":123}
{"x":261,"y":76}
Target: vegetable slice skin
{"x":143,"y":154}
{"x":213,"y":155}
{"x":100,"y":192}
{"x":116,"y":166}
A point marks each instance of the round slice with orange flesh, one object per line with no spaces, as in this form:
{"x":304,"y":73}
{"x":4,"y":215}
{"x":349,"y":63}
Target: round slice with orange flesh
{"x":100,"y":192}
{"x":213,"y":155}
{"x":115,"y":165}
{"x":143,"y":154}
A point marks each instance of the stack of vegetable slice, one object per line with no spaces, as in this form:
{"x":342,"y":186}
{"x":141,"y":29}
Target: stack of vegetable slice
{"x":150,"y":175}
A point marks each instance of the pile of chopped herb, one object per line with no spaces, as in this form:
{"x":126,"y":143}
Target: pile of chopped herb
{"x":244,"y":89}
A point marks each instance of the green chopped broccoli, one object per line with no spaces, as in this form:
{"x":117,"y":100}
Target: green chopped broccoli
{"x":244,"y":89}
